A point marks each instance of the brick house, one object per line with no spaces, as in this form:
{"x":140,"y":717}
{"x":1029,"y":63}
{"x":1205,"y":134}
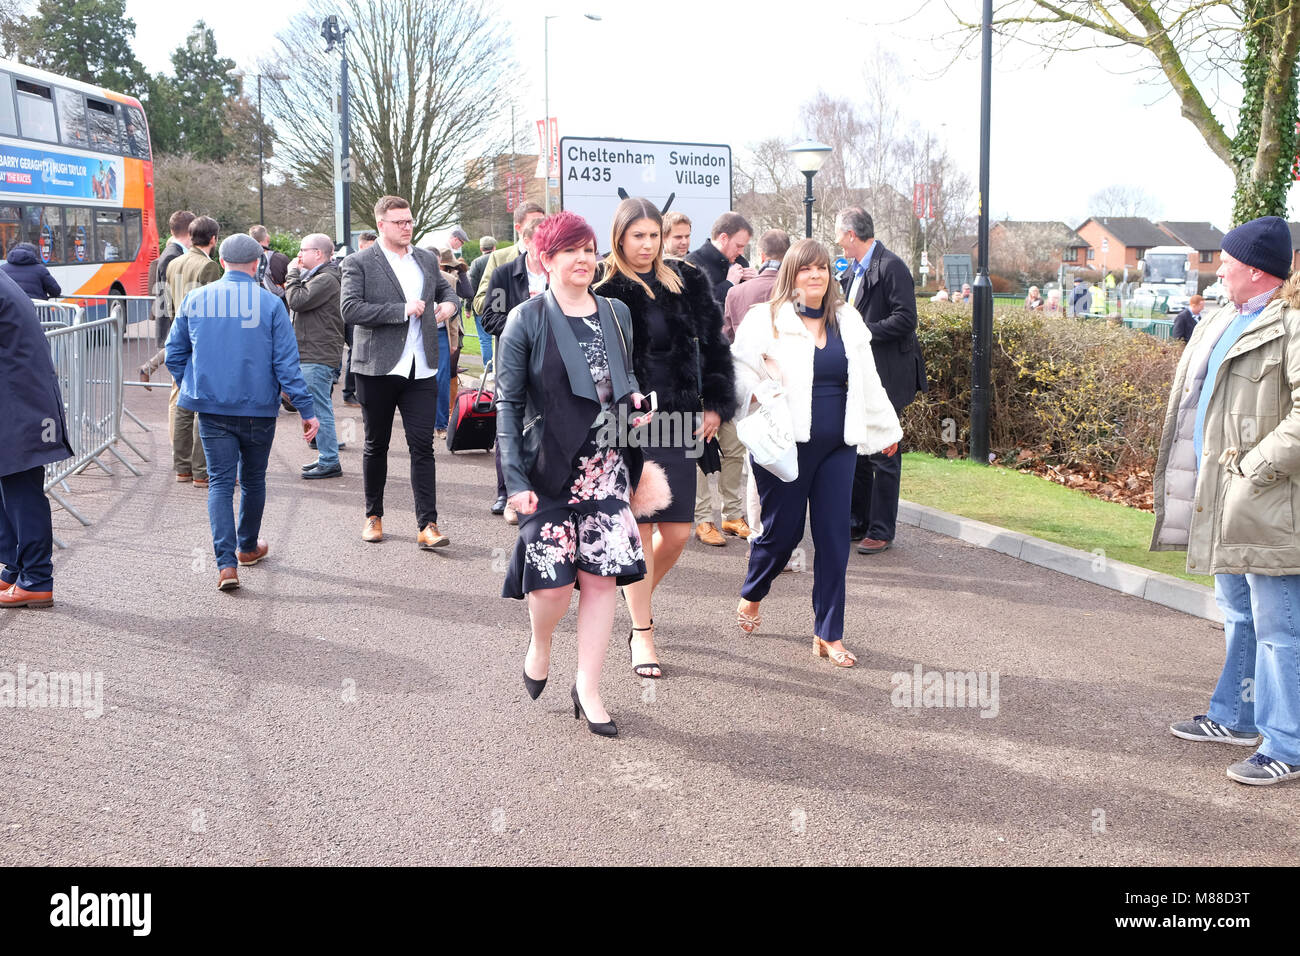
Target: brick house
{"x":1205,"y":239}
{"x":1129,"y":237}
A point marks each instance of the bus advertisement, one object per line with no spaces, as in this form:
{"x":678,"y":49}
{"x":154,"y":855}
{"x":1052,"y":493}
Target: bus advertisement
{"x":76,"y":181}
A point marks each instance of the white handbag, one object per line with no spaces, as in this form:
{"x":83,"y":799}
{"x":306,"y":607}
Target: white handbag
{"x":768,"y":431}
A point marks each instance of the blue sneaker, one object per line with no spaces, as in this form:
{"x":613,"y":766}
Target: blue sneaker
{"x":1201,"y":728}
{"x":1262,"y":770}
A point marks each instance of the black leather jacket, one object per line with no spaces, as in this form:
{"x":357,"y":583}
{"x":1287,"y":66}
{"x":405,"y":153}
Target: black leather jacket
{"x":546,"y":399}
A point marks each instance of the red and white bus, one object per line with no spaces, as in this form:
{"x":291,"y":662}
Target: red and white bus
{"x":76,"y":181}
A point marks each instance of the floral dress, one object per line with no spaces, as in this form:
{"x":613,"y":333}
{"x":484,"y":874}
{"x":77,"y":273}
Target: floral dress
{"x":589,"y":527}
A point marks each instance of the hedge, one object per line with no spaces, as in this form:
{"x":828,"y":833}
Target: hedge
{"x":1067,"y":392}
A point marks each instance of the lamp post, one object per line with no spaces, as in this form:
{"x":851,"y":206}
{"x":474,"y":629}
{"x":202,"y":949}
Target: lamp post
{"x":334,"y":35}
{"x":982,"y":305}
{"x":809,"y":156}
{"x":546,"y":93}
{"x":261,"y":131}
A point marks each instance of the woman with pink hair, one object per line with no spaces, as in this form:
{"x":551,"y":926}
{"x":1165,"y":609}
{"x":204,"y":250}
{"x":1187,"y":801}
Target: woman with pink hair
{"x":564,"y":383}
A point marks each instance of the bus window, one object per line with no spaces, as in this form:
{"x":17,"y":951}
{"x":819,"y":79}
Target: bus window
{"x":137,"y":134}
{"x":132,"y":234}
{"x":36,"y":111}
{"x":8,"y":119}
{"x":76,"y":222}
{"x":72,"y":117}
{"x":8,"y":237}
{"x":109,"y":239}
{"x":42,"y":226}
{"x":104,"y":132}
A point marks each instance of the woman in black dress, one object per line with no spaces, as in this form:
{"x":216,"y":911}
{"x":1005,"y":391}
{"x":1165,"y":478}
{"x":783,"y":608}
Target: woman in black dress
{"x":562,"y":371}
{"x":678,"y":352}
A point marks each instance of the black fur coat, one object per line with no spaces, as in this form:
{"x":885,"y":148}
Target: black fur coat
{"x":691,"y":314}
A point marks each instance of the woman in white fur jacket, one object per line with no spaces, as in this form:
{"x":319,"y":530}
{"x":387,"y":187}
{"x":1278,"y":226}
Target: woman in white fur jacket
{"x":821,"y":350}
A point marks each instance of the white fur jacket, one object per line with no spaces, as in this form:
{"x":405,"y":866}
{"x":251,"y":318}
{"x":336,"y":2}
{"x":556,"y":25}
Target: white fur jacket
{"x":869,"y":421}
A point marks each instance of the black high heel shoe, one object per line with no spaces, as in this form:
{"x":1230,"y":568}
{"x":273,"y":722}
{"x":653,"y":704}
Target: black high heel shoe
{"x":604,"y":730}
{"x":534,"y":687}
{"x":646,"y":665}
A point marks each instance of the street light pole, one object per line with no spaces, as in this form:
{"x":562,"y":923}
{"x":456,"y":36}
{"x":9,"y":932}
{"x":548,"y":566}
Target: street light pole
{"x":809,"y":157}
{"x":808,"y":203}
{"x":336,"y":36}
{"x":261,"y":157}
{"x":982,"y":311}
{"x":546,"y":95}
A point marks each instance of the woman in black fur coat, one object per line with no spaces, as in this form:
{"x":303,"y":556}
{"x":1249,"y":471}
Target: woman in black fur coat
{"x":679,"y":352}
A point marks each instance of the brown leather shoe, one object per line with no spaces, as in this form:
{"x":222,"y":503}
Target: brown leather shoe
{"x":707,"y":532}
{"x":200,"y":482}
{"x":872,"y":546}
{"x":247,"y":559}
{"x":227,"y":579}
{"x":431,"y":538}
{"x":512,"y":516}
{"x":374,"y":530}
{"x":185,"y":476}
{"x":19,"y":597}
{"x":739,"y":527}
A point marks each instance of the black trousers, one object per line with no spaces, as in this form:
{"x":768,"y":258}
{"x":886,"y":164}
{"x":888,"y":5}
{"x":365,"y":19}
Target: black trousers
{"x":417,"y":400}
{"x":876,"y":482}
{"x":349,"y":377}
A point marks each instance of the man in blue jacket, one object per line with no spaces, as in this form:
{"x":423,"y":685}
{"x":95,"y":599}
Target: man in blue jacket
{"x":33,"y":434}
{"x":233,"y":350}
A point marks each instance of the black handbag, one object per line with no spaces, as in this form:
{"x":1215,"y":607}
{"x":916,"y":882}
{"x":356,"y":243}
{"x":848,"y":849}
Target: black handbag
{"x":710,"y":461}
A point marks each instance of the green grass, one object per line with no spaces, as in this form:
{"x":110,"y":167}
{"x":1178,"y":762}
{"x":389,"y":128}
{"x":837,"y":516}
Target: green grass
{"x":1033,"y":505}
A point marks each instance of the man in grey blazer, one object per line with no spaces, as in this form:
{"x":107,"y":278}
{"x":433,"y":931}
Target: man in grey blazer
{"x":395,"y":360}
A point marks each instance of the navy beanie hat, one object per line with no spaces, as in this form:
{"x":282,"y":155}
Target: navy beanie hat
{"x":1263,"y":243}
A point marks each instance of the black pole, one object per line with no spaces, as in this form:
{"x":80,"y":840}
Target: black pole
{"x":346,"y":159}
{"x":807,"y":205}
{"x":982,"y":312}
{"x":261,"y":204}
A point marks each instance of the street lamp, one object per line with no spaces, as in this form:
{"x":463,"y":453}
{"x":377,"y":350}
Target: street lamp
{"x":334,"y":35}
{"x":261,"y":128}
{"x":546,"y":88}
{"x":809,"y":156}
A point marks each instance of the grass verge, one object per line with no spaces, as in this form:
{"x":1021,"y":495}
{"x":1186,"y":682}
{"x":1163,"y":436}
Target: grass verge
{"x":1032,"y":505}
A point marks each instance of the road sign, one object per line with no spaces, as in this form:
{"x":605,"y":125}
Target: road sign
{"x":1105,"y":245}
{"x":693,"y":178}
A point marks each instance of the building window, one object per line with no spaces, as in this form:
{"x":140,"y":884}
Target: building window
{"x":1092,"y":254}
{"x":1207,"y":256}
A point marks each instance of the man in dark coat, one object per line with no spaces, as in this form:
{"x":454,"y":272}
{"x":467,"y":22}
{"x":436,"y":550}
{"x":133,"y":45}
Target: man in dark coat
{"x":1186,"y":320}
{"x":33,"y":434}
{"x":879,"y":285}
{"x":29,"y":273}
{"x":720,"y":258}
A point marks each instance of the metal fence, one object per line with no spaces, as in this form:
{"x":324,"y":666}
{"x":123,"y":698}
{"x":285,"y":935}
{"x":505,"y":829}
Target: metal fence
{"x":87,"y":360}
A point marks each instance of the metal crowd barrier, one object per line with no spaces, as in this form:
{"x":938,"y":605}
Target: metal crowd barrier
{"x":1160,"y":328}
{"x":87,"y":360}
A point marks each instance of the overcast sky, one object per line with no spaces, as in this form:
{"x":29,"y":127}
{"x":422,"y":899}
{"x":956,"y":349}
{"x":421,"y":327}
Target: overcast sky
{"x":737,"y":73}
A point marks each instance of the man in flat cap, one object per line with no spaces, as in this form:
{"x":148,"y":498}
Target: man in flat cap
{"x":233,"y":350}
{"x":1227,"y":491}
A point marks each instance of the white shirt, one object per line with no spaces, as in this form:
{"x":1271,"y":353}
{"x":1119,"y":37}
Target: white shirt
{"x":536,"y":281}
{"x":411,"y":278}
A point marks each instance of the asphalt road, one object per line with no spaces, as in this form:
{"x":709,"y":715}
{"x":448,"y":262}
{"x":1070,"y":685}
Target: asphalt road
{"x":358,"y":703}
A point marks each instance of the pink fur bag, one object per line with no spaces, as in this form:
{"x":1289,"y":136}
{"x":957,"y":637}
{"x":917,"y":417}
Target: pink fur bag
{"x":652,"y":493}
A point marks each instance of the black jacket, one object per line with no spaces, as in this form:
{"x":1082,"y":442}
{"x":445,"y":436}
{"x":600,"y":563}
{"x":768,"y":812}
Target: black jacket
{"x":24,"y":266}
{"x":887,"y":303}
{"x":1184,"y":323}
{"x":694,"y":318}
{"x":507,"y":288}
{"x":714,"y":264}
{"x":32,"y":429}
{"x":546,"y":399}
{"x":476,"y":275}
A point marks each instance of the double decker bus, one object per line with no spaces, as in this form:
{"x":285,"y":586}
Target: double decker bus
{"x":76,"y":181}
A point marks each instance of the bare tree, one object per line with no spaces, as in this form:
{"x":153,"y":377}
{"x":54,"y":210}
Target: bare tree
{"x":430,"y":79}
{"x":769,"y":190}
{"x":1123,"y":200}
{"x":1029,"y":252}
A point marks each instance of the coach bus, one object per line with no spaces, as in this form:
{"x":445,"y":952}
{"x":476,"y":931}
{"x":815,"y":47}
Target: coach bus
{"x":76,"y":181}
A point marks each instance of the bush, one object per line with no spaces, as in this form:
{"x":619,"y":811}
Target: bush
{"x":283,"y":242}
{"x":1064,"y":392}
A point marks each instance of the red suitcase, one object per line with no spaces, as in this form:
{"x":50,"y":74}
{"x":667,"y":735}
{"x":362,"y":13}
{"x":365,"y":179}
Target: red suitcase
{"x":473,"y":423}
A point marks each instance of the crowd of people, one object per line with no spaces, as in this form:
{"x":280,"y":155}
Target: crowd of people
{"x":688,"y":344}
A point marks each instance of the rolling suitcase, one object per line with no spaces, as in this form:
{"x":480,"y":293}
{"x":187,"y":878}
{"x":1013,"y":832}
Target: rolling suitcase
{"x":473,"y":423}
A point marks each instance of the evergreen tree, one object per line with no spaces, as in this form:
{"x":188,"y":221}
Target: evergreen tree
{"x":87,"y":40}
{"x":188,"y":111}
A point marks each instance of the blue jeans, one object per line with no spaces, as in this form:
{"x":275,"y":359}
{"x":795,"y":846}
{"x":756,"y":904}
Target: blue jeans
{"x":484,"y":340}
{"x":444,"y":380}
{"x":233,"y":442}
{"x":1259,"y":689}
{"x":320,"y":383}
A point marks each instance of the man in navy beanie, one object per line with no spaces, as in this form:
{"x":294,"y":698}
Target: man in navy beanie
{"x":1227,"y":491}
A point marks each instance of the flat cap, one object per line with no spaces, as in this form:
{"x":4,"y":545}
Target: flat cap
{"x":240,"y":248}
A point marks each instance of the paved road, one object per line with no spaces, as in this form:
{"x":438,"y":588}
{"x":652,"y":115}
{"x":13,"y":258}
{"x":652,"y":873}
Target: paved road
{"x":356,"y":703}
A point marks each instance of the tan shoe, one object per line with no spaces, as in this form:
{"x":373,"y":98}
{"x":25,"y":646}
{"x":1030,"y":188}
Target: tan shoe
{"x":15,"y":596}
{"x":227,"y":579}
{"x":708,"y":532}
{"x":431,"y":538}
{"x":374,"y":530}
{"x":512,"y":516}
{"x":200,"y":482}
{"x":738,"y":527}
{"x":185,"y":476}
{"x":247,"y":559}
